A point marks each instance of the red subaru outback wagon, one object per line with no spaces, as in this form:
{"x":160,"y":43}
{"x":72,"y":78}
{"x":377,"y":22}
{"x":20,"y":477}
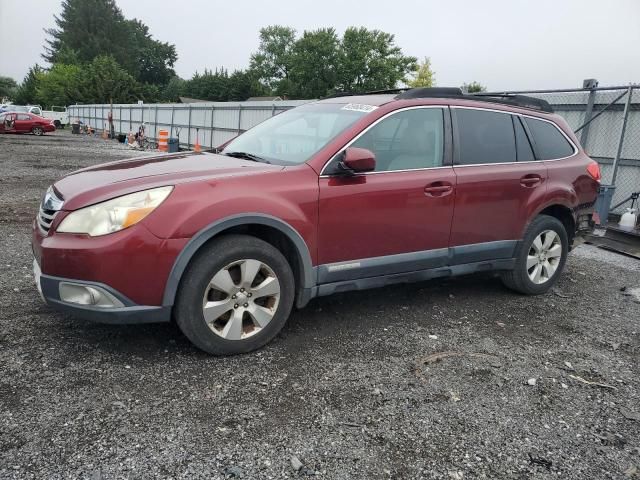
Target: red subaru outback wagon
{"x":345,"y":193}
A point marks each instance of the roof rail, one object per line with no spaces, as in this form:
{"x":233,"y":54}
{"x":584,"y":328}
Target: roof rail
{"x":517,"y":100}
{"x":430,"y":92}
{"x":454,"y":92}
{"x":503,"y":98}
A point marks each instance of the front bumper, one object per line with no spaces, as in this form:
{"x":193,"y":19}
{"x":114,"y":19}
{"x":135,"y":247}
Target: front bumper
{"x":129,"y":267}
{"x":120,"y":309}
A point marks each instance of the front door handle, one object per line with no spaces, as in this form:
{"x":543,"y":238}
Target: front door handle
{"x":531,"y":180}
{"x":438,"y":189}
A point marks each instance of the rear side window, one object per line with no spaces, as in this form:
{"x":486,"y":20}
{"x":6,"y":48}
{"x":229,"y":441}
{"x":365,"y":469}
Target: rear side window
{"x":550,"y":143}
{"x":525,"y":153}
{"x":485,"y":137}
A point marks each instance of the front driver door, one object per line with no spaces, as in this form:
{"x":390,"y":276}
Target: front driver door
{"x":398,"y":218}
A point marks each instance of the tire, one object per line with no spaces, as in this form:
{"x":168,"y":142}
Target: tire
{"x":38,"y":131}
{"x":217,"y":277}
{"x":531,"y":275}
{"x":57,"y":123}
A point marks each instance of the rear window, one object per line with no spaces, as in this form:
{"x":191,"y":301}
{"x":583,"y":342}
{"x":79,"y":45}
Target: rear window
{"x":550,"y":143}
{"x":485,"y":137}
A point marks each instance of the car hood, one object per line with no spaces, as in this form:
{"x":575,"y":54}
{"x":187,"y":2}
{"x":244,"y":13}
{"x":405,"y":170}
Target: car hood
{"x":109,"y":180}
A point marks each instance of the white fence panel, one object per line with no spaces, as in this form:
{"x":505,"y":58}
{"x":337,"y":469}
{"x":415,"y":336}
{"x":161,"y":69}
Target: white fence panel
{"x":212,"y":123}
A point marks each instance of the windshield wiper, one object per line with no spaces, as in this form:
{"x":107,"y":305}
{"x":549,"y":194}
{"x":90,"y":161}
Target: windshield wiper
{"x":247,"y":156}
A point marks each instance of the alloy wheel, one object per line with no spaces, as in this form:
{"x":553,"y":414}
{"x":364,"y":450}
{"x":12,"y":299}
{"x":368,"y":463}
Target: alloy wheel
{"x":241,"y":299}
{"x":544,"y":257}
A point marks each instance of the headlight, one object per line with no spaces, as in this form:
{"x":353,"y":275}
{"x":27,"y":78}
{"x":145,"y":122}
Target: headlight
{"x":113,"y":215}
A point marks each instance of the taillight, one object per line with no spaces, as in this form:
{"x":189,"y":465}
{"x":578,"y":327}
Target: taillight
{"x":594,"y":171}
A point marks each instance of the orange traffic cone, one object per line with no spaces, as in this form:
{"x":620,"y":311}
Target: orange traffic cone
{"x":196,"y":147}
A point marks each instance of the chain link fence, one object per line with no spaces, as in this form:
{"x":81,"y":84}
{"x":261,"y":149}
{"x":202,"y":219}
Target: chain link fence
{"x":607,"y":120}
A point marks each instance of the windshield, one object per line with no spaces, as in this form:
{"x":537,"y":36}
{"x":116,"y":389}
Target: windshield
{"x":294,"y":136}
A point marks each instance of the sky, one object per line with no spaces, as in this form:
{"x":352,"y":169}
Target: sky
{"x":503,"y":44}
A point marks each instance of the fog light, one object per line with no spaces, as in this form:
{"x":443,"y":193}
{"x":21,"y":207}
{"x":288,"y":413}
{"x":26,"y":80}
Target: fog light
{"x":87,"y":295}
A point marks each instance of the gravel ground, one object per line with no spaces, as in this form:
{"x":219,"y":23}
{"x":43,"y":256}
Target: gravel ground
{"x":448,"y":379}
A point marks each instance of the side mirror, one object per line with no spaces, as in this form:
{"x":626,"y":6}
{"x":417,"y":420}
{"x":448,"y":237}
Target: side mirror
{"x":358,"y":160}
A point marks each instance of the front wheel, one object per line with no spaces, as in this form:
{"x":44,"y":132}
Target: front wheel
{"x":540,"y":257}
{"x":38,"y":131}
{"x":235,"y":296}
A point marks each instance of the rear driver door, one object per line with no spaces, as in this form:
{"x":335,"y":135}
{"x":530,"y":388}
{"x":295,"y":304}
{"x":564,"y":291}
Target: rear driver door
{"x":23,"y":122}
{"x":499,"y":183}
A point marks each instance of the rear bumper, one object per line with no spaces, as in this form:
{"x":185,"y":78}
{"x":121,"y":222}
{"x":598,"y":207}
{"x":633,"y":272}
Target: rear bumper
{"x":127,"y":312}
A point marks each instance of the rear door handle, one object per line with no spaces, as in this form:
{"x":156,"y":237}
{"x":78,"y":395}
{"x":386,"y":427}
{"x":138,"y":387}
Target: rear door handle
{"x":438,"y":189}
{"x":530,"y":180}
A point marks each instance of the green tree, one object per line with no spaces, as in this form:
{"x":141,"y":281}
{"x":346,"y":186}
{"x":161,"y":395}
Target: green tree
{"x":424,"y":76}
{"x":57,"y":86}
{"x":87,"y":29}
{"x":314,"y":63}
{"x":103,"y":80}
{"x":474,"y":87}
{"x":174,"y":89}
{"x":244,"y":84}
{"x":26,"y":92}
{"x":272,"y":62}
{"x":154,"y":59}
{"x":370,"y":60}
{"x":8,"y":87}
{"x":319,"y":62}
{"x":211,"y":85}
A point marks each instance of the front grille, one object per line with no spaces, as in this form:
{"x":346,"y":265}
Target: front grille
{"x":45,"y":218}
{"x":49,"y":207}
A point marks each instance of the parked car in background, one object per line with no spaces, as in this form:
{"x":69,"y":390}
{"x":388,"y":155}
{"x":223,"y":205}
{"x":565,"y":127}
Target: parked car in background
{"x":35,"y":109}
{"x":341,"y":194}
{"x":58,"y":114}
{"x":22,"y":122}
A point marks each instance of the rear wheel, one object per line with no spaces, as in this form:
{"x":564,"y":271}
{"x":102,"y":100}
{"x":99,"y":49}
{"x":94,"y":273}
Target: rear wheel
{"x":57,"y":123}
{"x":37,"y":131}
{"x":235,"y":296}
{"x":540,"y":257}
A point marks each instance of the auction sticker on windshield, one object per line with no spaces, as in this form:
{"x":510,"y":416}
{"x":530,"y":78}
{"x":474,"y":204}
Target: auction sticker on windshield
{"x":359,"y":107}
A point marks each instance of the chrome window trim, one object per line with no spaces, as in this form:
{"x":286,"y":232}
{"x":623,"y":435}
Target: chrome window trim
{"x":576,"y":150}
{"x":354,"y":139}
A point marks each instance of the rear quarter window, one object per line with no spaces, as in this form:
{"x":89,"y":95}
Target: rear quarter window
{"x":550,"y":142}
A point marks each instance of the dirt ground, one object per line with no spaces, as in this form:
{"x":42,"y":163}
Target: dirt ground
{"x":456,"y":379}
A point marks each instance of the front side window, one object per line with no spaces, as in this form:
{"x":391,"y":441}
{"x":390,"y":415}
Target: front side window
{"x":406,"y":140}
{"x":550,"y":143}
{"x":23,"y":116}
{"x":484,"y":137}
{"x":294,"y":136}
